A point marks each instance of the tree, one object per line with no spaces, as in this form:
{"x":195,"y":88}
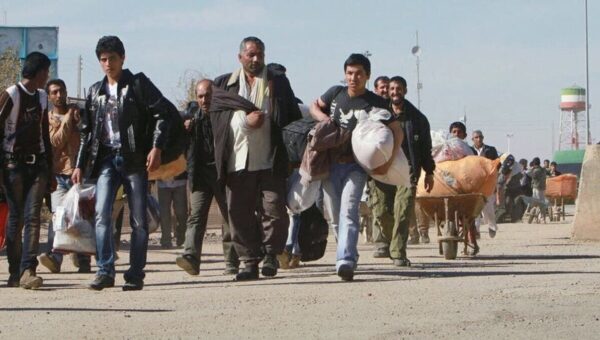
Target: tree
{"x":10,"y":66}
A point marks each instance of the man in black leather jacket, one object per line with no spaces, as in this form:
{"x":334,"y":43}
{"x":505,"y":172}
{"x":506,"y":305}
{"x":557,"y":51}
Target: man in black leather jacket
{"x":123,"y":132}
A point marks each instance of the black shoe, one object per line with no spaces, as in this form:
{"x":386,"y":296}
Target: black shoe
{"x":84,"y":268}
{"x":101,"y":282}
{"x":247,"y":274}
{"x":381,"y":253}
{"x":188,"y":263}
{"x":166,"y":246}
{"x":137,"y":284}
{"x":402,"y":262}
{"x":346,"y":272}
{"x":413,"y":240}
{"x":270,"y":265}
{"x":180,"y":239}
{"x":13,"y":281}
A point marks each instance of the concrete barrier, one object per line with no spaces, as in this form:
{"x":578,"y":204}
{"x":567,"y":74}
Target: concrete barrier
{"x":586,"y":225}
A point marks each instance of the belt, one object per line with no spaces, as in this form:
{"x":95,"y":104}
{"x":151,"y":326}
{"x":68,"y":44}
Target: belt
{"x":23,"y":158}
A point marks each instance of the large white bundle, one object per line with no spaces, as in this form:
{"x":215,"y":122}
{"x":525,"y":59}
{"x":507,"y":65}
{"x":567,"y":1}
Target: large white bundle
{"x":301,"y":195}
{"x":373,"y":144}
{"x":453,"y":149}
{"x":399,"y":172}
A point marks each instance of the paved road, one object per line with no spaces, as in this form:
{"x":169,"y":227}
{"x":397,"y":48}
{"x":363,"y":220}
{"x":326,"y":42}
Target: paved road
{"x":530,"y":282}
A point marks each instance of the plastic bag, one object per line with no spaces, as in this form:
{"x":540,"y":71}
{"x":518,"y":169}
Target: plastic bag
{"x":78,"y":209}
{"x":398,"y":173}
{"x":451,"y":150}
{"x":472,"y":174}
{"x":301,"y":195}
{"x":372,"y":143}
{"x":3,"y":223}
{"x":81,"y":240}
{"x":153,"y":211}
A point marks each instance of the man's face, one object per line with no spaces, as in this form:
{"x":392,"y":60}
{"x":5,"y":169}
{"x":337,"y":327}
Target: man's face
{"x":252,"y":59}
{"x":397,"y":92}
{"x":112,"y":64}
{"x":546,"y":164}
{"x":382,"y":88}
{"x":57,"y":95}
{"x":356,"y":77}
{"x":204,"y":95}
{"x":477,"y":139}
{"x":552,"y":167}
{"x":457,"y":132}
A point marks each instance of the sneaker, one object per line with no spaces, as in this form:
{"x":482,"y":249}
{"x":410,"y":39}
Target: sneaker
{"x":188,"y":263}
{"x":231,"y":269}
{"x":13,"y":281}
{"x":413,"y":240}
{"x":48,"y":261}
{"x":402,"y":262}
{"x":424,"y":236}
{"x":381,"y":253}
{"x":284,"y":260}
{"x":295,"y":261}
{"x":166,"y":246}
{"x":102,"y":281}
{"x":270,"y":265}
{"x":492,"y":232}
{"x":29,"y":280}
{"x":249,"y":273}
{"x":346,"y":272}
{"x":137,"y":284}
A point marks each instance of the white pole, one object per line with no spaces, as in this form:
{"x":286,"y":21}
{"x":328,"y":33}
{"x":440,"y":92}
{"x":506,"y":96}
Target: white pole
{"x":587,"y":82}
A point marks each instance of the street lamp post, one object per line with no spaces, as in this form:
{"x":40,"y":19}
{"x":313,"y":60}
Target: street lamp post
{"x":508,"y":137}
{"x":416,"y":51}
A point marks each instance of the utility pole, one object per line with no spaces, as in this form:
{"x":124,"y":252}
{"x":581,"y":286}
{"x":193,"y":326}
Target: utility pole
{"x":588,"y":137}
{"x":79,"y":69}
{"x":508,"y":137}
{"x":416,"y":51}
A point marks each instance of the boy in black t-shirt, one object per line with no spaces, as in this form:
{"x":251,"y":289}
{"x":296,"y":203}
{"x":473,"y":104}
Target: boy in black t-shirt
{"x":344,"y":187}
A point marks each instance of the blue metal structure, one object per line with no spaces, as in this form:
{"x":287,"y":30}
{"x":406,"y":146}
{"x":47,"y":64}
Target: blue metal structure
{"x":30,"y":39}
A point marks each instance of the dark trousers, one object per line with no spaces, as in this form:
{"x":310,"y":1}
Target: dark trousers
{"x":204,"y":187}
{"x":25,"y":186}
{"x":257,"y":213}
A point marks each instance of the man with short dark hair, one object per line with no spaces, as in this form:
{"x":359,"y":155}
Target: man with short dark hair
{"x":395,"y":207}
{"x":553,"y":170}
{"x":489,"y":211}
{"x":64,"y":137}
{"x":346,"y":181}
{"x":204,"y":185}
{"x":381,"y":85}
{"x":458,"y":130}
{"x":123,"y":132}
{"x":252,"y":159}
{"x":26,"y":155}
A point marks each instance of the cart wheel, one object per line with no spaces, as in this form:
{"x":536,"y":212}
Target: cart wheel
{"x":450,"y":248}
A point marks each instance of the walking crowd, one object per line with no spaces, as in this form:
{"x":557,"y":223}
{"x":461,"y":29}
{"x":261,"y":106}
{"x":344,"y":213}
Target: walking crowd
{"x":232,"y":136}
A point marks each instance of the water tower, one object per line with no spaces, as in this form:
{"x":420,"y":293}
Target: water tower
{"x":572,"y":133}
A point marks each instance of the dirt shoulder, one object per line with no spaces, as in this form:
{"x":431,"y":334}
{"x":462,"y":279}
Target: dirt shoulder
{"x":530,"y":282}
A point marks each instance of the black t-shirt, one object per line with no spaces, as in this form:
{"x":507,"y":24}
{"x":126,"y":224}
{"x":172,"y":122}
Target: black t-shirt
{"x":344,"y":110}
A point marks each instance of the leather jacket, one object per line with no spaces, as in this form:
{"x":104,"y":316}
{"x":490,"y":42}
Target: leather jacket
{"x":143,"y":119}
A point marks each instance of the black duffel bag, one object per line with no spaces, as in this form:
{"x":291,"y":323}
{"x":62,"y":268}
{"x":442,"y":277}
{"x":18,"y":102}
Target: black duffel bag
{"x":312,"y":236}
{"x":294,"y":138}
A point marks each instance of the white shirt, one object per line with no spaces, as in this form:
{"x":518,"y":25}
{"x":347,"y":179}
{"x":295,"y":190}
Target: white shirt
{"x":112,"y":137}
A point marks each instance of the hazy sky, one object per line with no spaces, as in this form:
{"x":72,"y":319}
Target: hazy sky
{"x":501,"y":62}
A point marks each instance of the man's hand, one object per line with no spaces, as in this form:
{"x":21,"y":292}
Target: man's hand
{"x":428,"y":183}
{"x":153,"y":160}
{"x":76,"y":176}
{"x":255,"y":119}
{"x":188,"y":124}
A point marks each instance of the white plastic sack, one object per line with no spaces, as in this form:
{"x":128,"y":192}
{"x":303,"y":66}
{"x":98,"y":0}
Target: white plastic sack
{"x":77,"y":211}
{"x":81,"y":240}
{"x":399,"y":172}
{"x":372,"y":143}
{"x":301,"y":195}
{"x":438,"y":138}
{"x":453,"y":149}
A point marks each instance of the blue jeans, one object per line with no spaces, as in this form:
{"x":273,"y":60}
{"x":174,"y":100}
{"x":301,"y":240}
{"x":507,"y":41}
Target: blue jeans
{"x":343,"y":190}
{"x":292,"y":246}
{"x":25,"y":186}
{"x":111,"y":175}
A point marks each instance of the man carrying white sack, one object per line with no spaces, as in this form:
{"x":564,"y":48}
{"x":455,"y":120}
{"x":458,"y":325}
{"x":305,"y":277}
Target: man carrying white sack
{"x":346,"y":181}
{"x":394,"y":206}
